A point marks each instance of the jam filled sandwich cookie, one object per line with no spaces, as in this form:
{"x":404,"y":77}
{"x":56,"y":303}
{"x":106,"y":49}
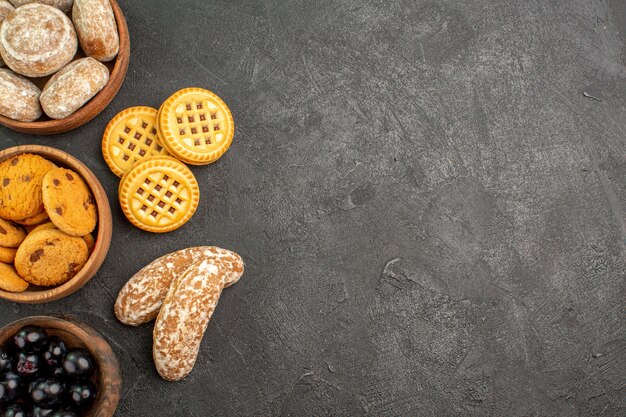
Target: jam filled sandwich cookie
{"x":159,"y":194}
{"x":129,"y":137}
{"x":68,"y":202}
{"x":50,"y":257}
{"x":196,"y":125}
{"x":20,"y":186}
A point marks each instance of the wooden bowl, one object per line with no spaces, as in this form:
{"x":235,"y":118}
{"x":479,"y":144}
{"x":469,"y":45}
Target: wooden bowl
{"x":102,"y":234}
{"x":117,"y":70}
{"x":78,"y":334}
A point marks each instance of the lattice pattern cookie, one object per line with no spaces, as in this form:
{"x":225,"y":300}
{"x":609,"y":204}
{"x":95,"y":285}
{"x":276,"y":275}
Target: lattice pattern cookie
{"x":197,"y":127}
{"x":129,"y":137}
{"x":159,"y":194}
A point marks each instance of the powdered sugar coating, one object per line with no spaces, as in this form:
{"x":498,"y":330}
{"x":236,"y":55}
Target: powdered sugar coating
{"x":141,"y":297}
{"x":73,"y":86}
{"x":97,"y":30}
{"x":63,"y":5}
{"x":19,"y":98}
{"x":37,"y":40}
{"x":184,"y":317}
{"x":5,"y":9}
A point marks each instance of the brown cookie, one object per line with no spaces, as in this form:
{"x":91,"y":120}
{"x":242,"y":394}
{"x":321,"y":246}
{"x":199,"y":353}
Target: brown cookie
{"x":10,"y":281}
{"x":20,"y":186}
{"x":43,"y":226}
{"x":35,"y":220}
{"x":7,"y":255}
{"x":69,"y":202}
{"x":90,"y":241}
{"x":10,"y":235}
{"x":50,"y":257}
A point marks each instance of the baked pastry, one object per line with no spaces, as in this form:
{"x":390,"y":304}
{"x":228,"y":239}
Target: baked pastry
{"x":89,"y":241}
{"x":43,"y":226}
{"x":50,"y":257}
{"x":96,"y":27}
{"x":11,"y":235}
{"x":19,"y":98}
{"x":130,"y":136}
{"x":7,"y":255}
{"x":63,"y":5}
{"x":20,"y":185}
{"x":5,"y":9}
{"x":184,"y":317}
{"x":37,"y":40}
{"x":35,"y":220}
{"x":196,"y":126}
{"x":159,"y":194}
{"x":69,"y":202}
{"x":10,"y":281}
{"x":73,"y":86}
{"x":140,"y":300}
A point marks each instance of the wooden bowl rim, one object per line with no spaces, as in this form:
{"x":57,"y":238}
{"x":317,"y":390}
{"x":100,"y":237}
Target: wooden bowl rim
{"x":109,"y":374}
{"x":97,"y":103}
{"x":103,"y":238}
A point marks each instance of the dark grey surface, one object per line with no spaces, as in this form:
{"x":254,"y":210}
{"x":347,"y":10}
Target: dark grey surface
{"x":431,"y":211}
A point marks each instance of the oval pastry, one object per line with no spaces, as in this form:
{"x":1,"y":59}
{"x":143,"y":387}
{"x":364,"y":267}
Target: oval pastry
{"x":63,"y":5}
{"x":129,"y":137}
{"x":37,"y":40}
{"x":197,"y":127}
{"x":159,"y":194}
{"x":97,"y":30}
{"x":5,"y":9}
{"x":72,"y":87}
{"x":19,"y":98}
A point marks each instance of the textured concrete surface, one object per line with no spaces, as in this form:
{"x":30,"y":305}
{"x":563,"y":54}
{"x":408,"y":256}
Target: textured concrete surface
{"x":431,"y":210}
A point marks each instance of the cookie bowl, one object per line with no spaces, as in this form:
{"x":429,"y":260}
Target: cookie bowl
{"x":102,"y":233}
{"x":117,"y":70}
{"x":77,"y":334}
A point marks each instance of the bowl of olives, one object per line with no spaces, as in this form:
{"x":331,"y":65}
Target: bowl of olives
{"x":56,"y":367}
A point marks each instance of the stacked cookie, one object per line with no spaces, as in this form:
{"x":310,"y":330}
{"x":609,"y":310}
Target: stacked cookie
{"x":181,"y":291}
{"x":47,"y":215}
{"x":149,"y":148}
{"x":38,"y":39}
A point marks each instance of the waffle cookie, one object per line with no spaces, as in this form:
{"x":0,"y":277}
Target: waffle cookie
{"x":159,"y":194}
{"x":130,"y":136}
{"x":196,"y":126}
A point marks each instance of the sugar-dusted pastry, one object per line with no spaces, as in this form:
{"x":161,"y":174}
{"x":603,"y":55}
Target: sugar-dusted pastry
{"x":37,"y":40}
{"x":159,"y":194}
{"x":19,"y":98}
{"x":72,"y":87}
{"x":5,"y":9}
{"x":130,"y":136}
{"x":64,"y":5}
{"x":196,"y":126}
{"x":96,"y":27}
{"x":184,"y":317}
{"x":140,"y":300}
